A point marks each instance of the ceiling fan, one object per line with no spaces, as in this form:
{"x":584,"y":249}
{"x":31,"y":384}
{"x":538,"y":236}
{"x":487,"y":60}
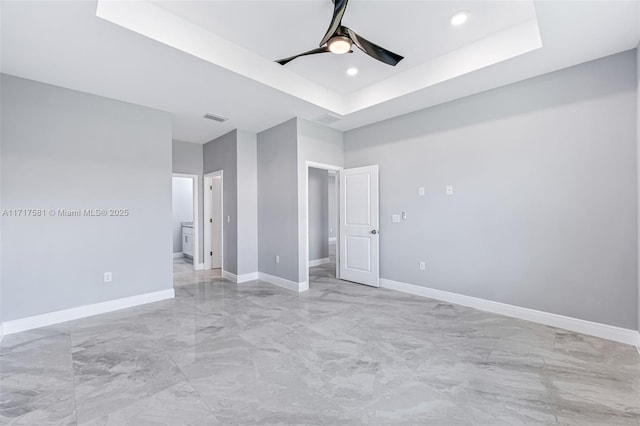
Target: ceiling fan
{"x":339,"y":39}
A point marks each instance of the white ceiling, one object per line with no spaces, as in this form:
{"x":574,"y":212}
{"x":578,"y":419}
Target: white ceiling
{"x":418,"y":30}
{"x":66,"y":44}
{"x":154,"y":21}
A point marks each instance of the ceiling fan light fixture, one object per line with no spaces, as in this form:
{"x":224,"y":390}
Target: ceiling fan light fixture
{"x":459,"y":18}
{"x":339,"y":45}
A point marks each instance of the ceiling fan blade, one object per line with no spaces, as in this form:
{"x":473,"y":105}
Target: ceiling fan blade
{"x":338,"y":12}
{"x":373,"y":50}
{"x":309,"y":52}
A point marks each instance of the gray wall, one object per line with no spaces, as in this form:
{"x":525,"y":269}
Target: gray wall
{"x":277,"y":200}
{"x":222,"y":154}
{"x":181,"y":208}
{"x":63,"y":149}
{"x":333,"y":206}
{"x":544,"y":213}
{"x":247,"y":202}
{"x":638,"y":164}
{"x":318,"y":214}
{"x":319,"y":144}
{"x":187,"y":159}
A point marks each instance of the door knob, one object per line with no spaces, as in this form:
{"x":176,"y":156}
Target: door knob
{"x":374,"y":232}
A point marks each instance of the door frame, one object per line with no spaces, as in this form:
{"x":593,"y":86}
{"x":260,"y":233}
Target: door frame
{"x":207,"y":213}
{"x":196,"y":235}
{"x":338,"y":170}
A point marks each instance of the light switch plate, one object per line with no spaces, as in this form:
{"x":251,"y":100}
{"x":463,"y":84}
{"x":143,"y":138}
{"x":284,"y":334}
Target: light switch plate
{"x":449,"y":189}
{"x":421,"y":191}
{"x":395,"y":218}
{"x":423,"y":266}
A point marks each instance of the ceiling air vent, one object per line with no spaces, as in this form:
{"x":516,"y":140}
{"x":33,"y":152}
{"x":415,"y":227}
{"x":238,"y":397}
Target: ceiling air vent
{"x":328,"y":118}
{"x":217,"y":118}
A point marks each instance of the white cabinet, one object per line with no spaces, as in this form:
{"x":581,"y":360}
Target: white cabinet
{"x":187,"y":241}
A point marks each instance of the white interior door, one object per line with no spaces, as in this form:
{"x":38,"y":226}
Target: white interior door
{"x":216,"y":222}
{"x":359,"y":243}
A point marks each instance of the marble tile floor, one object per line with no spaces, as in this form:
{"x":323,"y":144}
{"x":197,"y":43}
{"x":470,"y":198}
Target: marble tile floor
{"x":184,"y":274}
{"x":182,"y":264}
{"x":339,"y":354}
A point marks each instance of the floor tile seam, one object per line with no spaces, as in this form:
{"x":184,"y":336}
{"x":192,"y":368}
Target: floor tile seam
{"x":195,"y":389}
{"x":73,"y":378}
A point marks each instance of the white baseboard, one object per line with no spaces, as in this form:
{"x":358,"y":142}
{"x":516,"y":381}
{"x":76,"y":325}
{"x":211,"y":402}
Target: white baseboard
{"x":37,"y":321}
{"x":332,"y":239}
{"x":200,"y":267}
{"x":617,"y":334}
{"x":251,"y":276}
{"x":177,"y":255}
{"x":242,"y":278}
{"x":318,"y":262}
{"x":284,"y":283}
{"x":229,"y":276}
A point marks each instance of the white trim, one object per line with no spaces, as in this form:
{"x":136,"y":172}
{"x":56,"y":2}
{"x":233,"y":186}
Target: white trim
{"x":323,"y":166}
{"x":178,"y":255}
{"x":242,"y":278}
{"x":332,"y":239}
{"x":284,"y":283}
{"x":229,"y":276}
{"x":37,"y":321}
{"x":196,"y":210}
{"x":318,"y":262}
{"x":617,"y":334}
{"x":251,"y":276}
{"x":208,"y":264}
{"x":305,"y":235}
{"x":200,"y":267}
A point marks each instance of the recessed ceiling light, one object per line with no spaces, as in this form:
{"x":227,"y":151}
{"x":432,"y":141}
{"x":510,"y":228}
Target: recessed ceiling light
{"x":352,"y":71}
{"x":459,"y":18}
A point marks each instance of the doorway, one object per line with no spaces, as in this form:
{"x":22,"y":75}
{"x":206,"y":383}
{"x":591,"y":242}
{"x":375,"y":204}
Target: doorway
{"x":322,"y":230}
{"x":214,"y":220}
{"x":184,"y":198}
{"x":357,"y":234}
{"x":322,"y":222}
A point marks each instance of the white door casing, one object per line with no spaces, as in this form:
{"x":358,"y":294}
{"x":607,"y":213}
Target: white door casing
{"x":217,"y":223}
{"x":213,"y":229}
{"x":359,"y":221}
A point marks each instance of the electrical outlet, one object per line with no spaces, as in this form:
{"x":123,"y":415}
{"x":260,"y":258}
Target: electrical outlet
{"x":423,"y":266}
{"x":421,"y":191}
{"x":277,"y":258}
{"x":108,"y":277}
{"x":449,"y":189}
